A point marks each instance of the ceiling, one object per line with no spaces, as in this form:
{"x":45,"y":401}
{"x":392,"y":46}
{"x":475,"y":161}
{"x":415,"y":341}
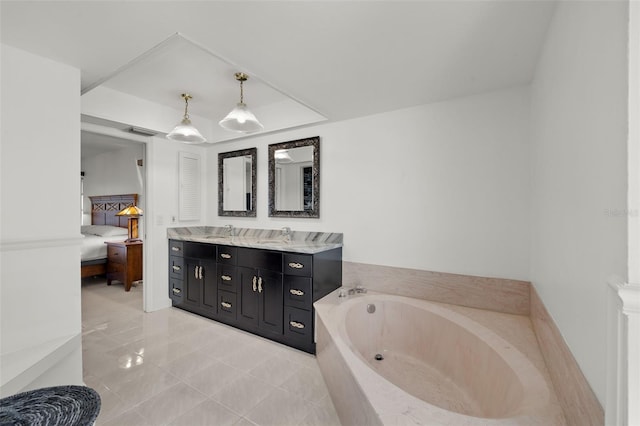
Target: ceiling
{"x":333,"y":60}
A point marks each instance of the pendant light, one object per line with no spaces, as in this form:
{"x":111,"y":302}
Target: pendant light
{"x":184,"y":130}
{"x":240,"y":119}
{"x":282,"y":156}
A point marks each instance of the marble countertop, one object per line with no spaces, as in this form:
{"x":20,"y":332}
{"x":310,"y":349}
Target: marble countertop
{"x":266,"y":239}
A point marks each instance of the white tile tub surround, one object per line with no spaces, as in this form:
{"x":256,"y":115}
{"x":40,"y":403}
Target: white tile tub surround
{"x":435,"y":335}
{"x":496,"y":294}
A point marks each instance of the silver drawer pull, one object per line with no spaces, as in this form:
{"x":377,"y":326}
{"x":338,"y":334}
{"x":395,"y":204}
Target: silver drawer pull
{"x":176,"y":268}
{"x":259,"y":284}
{"x":225,"y":255}
{"x":225,"y":277}
{"x":226,"y":305}
{"x":176,"y":290}
{"x":175,"y":248}
{"x":254,"y":281}
{"x":296,"y":324}
{"x":296,"y":292}
{"x":296,"y":265}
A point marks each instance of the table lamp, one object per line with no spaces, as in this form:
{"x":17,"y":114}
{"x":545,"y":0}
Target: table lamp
{"x":133,"y":213}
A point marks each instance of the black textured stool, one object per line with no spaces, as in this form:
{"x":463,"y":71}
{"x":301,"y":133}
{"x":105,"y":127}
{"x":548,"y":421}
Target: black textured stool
{"x":57,"y":405}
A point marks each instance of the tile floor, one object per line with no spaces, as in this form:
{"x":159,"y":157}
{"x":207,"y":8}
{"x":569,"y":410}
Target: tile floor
{"x":172,"y":367}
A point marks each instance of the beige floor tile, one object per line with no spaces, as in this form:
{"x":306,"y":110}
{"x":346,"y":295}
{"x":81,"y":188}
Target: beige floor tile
{"x":244,"y":393}
{"x":140,"y":386}
{"x":280,"y":408}
{"x":307,"y":383}
{"x":160,"y":367}
{"x":275,"y":370}
{"x":212,"y":379}
{"x":129,"y":418}
{"x":206,"y":414}
{"x":170,"y":404}
{"x":323,"y":414}
{"x":189,"y":364}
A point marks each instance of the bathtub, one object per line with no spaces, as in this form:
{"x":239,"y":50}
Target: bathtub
{"x":395,"y":360}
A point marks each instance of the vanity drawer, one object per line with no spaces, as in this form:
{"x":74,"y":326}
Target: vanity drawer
{"x":175,"y":291}
{"x":199,"y":250}
{"x":176,"y":267}
{"x":176,"y":248}
{"x":298,"y":264}
{"x":227,"y":255}
{"x":228,"y":278}
{"x":227,"y":305}
{"x":297,"y":292}
{"x":298,"y":324}
{"x":260,"y":259}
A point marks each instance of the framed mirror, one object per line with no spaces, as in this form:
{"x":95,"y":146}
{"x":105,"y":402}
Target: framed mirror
{"x":237,"y":183}
{"x":294,"y":178}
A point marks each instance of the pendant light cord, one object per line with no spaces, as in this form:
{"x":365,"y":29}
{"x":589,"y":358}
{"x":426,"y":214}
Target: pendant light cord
{"x":186,"y":107}
{"x":241,"y":93}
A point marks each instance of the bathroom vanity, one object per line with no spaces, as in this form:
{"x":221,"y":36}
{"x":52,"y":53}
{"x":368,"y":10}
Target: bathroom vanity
{"x":257,"y":282}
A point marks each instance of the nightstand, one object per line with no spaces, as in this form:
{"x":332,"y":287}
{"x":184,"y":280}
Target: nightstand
{"x":124,"y":262}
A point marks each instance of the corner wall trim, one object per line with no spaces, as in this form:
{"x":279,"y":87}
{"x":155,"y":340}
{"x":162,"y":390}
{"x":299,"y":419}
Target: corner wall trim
{"x":579,"y":403}
{"x":623,"y":353}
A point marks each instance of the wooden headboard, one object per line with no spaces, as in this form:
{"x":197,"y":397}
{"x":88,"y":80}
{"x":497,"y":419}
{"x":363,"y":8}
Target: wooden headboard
{"x":105,"y":207}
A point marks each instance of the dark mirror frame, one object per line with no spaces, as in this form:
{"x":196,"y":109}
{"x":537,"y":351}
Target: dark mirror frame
{"x":315,"y":210}
{"x":240,"y":153}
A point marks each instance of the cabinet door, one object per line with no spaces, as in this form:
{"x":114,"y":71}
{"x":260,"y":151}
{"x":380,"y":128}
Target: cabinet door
{"x":193,"y":290}
{"x":271,"y":298}
{"x":208,"y":280}
{"x":248,"y":296}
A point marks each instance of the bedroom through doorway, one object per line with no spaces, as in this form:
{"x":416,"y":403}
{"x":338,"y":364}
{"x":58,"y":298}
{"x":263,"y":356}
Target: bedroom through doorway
{"x":112,"y":178}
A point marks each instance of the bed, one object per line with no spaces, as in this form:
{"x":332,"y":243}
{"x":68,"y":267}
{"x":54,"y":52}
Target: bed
{"x":105,"y":226}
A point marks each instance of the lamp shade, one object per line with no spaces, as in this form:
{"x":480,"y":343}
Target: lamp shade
{"x":186,"y":132}
{"x":134,"y":211}
{"x":241,"y":120}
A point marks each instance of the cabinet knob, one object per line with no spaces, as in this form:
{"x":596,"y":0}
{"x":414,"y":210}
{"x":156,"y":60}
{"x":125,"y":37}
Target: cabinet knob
{"x":174,"y":248}
{"x":296,"y":265}
{"x":296,"y":324}
{"x":225,"y":277}
{"x":296,"y":292}
{"x":225,"y":305}
{"x":225,"y":255}
{"x":176,"y":291}
{"x":175,"y":268}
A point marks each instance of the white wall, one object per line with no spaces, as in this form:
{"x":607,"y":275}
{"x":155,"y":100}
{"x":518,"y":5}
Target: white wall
{"x":114,"y":172}
{"x":40,"y":181}
{"x":579,"y":172}
{"x":442,"y":187}
{"x":162,"y":205}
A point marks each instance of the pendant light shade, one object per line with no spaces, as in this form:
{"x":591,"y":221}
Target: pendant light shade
{"x":282,"y":156}
{"x":184,"y":130}
{"x":240,"y":119}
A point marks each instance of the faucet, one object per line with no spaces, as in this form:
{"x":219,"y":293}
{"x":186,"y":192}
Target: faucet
{"x":286,"y":234}
{"x":348,"y":291}
{"x":359,"y":289}
{"x":228,"y":229}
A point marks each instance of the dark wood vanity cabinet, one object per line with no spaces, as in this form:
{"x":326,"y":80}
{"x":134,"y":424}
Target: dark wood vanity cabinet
{"x":266,"y":292}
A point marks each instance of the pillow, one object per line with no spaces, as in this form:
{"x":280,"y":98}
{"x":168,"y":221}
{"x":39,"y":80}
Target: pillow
{"x":103,"y":230}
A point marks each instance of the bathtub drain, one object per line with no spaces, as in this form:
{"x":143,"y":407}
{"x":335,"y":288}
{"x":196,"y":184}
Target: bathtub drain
{"x":379,"y":357}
